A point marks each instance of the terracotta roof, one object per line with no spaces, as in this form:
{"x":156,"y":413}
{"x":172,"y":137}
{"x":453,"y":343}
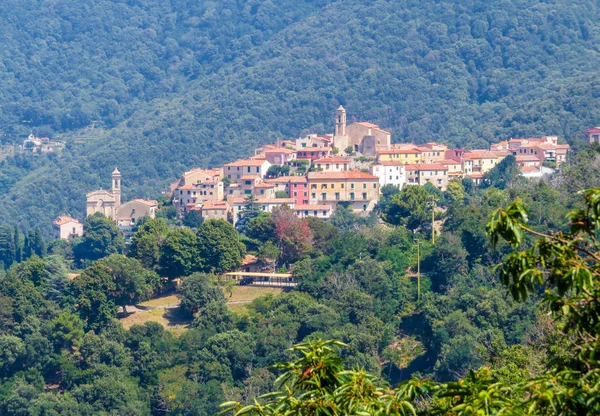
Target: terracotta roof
{"x":331,"y":160}
{"x":65,"y":219}
{"x":346,"y":174}
{"x":448,"y":162}
{"x":529,"y":169}
{"x":312,"y":207}
{"x":215,"y":205}
{"x":249,"y":259}
{"x":265,"y":185}
{"x":398,"y":151}
{"x":270,"y":201}
{"x":527,"y":158}
{"x":244,"y":162}
{"x":280,"y":150}
{"x":425,"y":166}
{"x":297,"y":179}
{"x":594,"y":130}
{"x":475,"y":175}
{"x":484,"y":154}
{"x":149,"y":202}
{"x":372,"y":126}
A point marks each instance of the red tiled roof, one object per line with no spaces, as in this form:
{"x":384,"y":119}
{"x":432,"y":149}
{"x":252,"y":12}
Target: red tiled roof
{"x":331,"y":160}
{"x":593,"y":130}
{"x":398,"y":151}
{"x":65,"y":219}
{"x":243,"y":162}
{"x":222,"y":205}
{"x":305,"y":207}
{"x":425,"y":166}
{"x":346,"y":174}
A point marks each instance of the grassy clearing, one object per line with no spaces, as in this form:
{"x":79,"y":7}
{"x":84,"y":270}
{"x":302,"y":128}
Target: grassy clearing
{"x":170,"y":300}
{"x":166,"y":317}
{"x":242,"y":295}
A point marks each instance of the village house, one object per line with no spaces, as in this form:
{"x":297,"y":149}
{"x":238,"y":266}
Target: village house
{"x":130,"y":212}
{"x":67,"y":228}
{"x":432,"y":152}
{"x":434,"y":173}
{"x":593,"y":135}
{"x":250,"y":185}
{"x":275,"y":155}
{"x":401,"y":155}
{"x":359,"y":189}
{"x":215,"y":210}
{"x":331,"y":164}
{"x":313,"y":154}
{"x":264,"y":204}
{"x":481,"y":161}
{"x":317,"y":211}
{"x":389,"y":173}
{"x":193,"y":194}
{"x":545,"y":148}
{"x":455,"y":169}
{"x":528,"y":161}
{"x":234,"y":171}
{"x":43,"y":145}
{"x":312,"y":141}
{"x":298,"y":189}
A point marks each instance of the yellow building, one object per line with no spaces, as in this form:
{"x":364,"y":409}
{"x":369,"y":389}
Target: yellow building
{"x":481,"y":161}
{"x":359,"y":189}
{"x":399,"y":155}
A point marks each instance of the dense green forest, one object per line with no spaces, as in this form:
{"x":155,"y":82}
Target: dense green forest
{"x":65,"y":351}
{"x":157,"y":87}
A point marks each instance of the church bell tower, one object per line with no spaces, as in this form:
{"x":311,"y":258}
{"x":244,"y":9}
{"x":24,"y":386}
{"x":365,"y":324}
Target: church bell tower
{"x":116,"y":187}
{"x":340,"y":121}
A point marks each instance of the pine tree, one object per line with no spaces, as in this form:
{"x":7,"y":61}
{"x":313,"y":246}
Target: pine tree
{"x":39,"y":247}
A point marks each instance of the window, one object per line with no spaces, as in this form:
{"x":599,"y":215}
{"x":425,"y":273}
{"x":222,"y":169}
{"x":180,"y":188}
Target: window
{"x":295,"y":193}
{"x":364,"y":207}
{"x":342,"y":185}
{"x":295,"y":185}
{"x":375,"y":185}
{"x":315,"y":213}
{"x":324,"y":186}
{"x":351,"y":186}
{"x":337,"y":196}
{"x":305,"y":193}
{"x":364,"y":195}
{"x":364,"y":186}
{"x":313,"y":186}
{"x":313,"y":195}
{"x":323,"y":196}
{"x":352,"y":195}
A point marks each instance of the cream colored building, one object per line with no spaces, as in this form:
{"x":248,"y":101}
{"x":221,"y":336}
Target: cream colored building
{"x":236,"y":170}
{"x":67,"y":228}
{"x":215,"y":210}
{"x":105,"y":202}
{"x":401,"y":155}
{"x":359,"y":189}
{"x":130,"y":212}
{"x":317,"y":211}
{"x":481,"y":161}
{"x":332,"y":164}
{"x":434,"y":173}
{"x":264,"y":204}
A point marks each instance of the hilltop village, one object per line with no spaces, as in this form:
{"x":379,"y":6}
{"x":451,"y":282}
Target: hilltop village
{"x":313,"y":174}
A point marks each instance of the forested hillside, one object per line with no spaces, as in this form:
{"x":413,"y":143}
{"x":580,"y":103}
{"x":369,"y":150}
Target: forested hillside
{"x":171,"y":85}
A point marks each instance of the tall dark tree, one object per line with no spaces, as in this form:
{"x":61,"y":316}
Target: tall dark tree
{"x":18,"y":245}
{"x":7,"y":246}
{"x":218,"y":247}
{"x":101,"y":238}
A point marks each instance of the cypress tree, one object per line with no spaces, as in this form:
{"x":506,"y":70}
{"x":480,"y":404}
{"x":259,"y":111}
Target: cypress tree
{"x":18,"y":246}
{"x":7,"y":246}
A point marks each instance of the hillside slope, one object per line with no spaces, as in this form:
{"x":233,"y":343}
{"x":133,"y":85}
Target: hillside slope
{"x":460,"y":72}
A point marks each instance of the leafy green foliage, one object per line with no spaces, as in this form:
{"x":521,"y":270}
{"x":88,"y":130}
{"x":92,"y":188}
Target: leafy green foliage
{"x":101,"y":237}
{"x":218,"y":247}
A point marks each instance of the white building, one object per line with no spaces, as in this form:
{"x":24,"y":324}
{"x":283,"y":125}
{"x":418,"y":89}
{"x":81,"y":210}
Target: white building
{"x":389,"y":173}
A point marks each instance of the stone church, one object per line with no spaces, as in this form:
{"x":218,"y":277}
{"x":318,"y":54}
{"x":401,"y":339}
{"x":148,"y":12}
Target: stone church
{"x":363,"y":137}
{"x":109,"y":204}
{"x":106,"y":202}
